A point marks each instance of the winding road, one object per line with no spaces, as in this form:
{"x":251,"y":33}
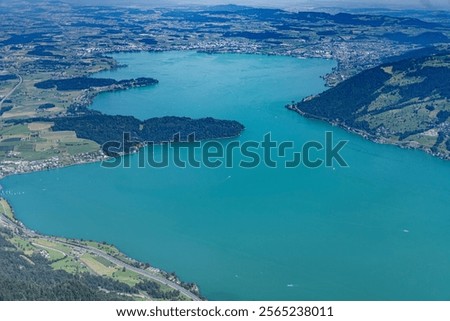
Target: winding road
{"x":155,"y":277}
{"x":129,"y":267}
{"x":49,"y":248}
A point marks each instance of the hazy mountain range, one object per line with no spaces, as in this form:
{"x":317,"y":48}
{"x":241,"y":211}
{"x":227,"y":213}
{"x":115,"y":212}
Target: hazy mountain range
{"x":285,"y":4}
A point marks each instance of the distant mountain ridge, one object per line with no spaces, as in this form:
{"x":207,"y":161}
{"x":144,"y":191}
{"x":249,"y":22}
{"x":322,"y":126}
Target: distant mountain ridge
{"x":404,"y":102}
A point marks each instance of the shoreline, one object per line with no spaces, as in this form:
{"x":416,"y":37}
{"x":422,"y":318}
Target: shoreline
{"x":121,"y":259}
{"x":96,"y":157}
{"x":367,"y":136}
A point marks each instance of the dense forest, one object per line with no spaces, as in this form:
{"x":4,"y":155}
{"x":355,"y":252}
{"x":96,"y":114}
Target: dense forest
{"x":105,"y":128}
{"x":80,"y":83}
{"x":343,"y":101}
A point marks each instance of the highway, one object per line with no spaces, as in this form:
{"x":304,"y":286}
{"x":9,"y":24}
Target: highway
{"x":12,"y":90}
{"x":83,"y":248}
{"x":129,"y":267}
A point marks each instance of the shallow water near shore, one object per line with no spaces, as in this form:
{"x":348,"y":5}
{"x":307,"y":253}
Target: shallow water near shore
{"x":378,"y":230}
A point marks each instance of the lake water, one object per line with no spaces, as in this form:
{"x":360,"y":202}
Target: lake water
{"x":377,"y":230}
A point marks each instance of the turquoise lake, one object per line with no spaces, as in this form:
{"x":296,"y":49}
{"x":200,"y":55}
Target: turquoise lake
{"x":377,"y":230}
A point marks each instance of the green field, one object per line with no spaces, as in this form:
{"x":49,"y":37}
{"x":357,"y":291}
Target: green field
{"x":36,"y":141}
{"x":5,"y":209}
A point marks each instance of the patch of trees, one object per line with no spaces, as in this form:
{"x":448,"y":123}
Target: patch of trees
{"x":164,"y":128}
{"x":149,"y":41}
{"x":4,"y":109}
{"x":443,"y":115}
{"x":23,"y":38}
{"x":326,"y":33}
{"x":42,"y":51}
{"x":98,"y":127}
{"x":436,"y":82}
{"x":46,"y":106}
{"x":80,"y":83}
{"x":153,"y":289}
{"x":408,"y":133}
{"x":7,"y":77}
{"x":439,"y":140}
{"x":106,"y":128}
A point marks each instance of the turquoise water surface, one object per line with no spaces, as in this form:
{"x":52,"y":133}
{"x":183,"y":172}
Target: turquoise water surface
{"x":377,"y":230}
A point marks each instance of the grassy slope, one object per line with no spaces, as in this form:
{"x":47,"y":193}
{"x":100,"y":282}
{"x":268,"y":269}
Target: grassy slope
{"x":405,"y":103}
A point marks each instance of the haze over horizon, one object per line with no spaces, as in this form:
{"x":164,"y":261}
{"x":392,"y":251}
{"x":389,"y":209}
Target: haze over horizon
{"x":286,"y":4}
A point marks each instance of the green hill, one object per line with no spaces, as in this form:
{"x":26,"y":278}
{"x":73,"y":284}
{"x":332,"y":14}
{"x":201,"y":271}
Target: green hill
{"x":406,"y":103}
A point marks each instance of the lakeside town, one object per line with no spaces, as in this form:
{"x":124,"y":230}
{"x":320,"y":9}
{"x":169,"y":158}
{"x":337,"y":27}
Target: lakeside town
{"x":46,"y":49}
